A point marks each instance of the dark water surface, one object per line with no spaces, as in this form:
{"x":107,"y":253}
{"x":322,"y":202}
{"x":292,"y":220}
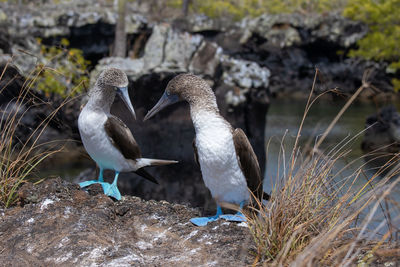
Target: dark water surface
{"x":284,"y":116}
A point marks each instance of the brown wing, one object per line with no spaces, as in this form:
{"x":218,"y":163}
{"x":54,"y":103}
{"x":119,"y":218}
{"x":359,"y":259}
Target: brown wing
{"x":122,"y":138}
{"x":248,"y":162}
{"x":196,"y":155}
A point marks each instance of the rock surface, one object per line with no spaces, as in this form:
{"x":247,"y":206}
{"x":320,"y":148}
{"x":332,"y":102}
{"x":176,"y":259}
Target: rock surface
{"x":59,"y":224}
{"x":291,"y":46}
{"x":381,"y":141}
{"x":17,"y":97}
{"x":382,"y":133}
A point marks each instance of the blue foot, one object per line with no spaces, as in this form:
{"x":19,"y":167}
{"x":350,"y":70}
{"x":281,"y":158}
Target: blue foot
{"x":111,"y":190}
{"x":87,"y":183}
{"x":104,"y":185}
{"x":203,"y":221}
{"x":99,"y":181}
{"x":238,"y":217}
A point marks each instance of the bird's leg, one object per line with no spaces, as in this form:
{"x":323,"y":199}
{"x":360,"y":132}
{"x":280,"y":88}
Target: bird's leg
{"x":101,"y":175}
{"x":238,"y":217}
{"x":112,"y":190}
{"x":99,"y":180}
{"x":203,"y":221}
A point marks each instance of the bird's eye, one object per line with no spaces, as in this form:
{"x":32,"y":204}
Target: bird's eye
{"x":167,"y":93}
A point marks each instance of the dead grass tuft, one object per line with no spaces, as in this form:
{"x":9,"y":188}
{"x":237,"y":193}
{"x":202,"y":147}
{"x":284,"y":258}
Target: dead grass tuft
{"x":18,"y":159}
{"x":313,"y":217}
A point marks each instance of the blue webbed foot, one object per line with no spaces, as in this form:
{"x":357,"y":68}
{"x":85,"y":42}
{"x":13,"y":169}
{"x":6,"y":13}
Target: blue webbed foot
{"x":238,"y":217}
{"x":104,"y":185}
{"x":87,"y":183}
{"x":111,"y":190}
{"x":98,"y":181}
{"x":203,"y":221}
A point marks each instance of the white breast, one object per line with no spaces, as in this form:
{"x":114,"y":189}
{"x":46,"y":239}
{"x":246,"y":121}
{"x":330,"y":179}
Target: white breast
{"x":217,"y":157}
{"x":97,"y":144}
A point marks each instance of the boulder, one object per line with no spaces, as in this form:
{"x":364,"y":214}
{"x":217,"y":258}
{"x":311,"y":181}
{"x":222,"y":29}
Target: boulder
{"x":288,"y":30}
{"x":244,"y":73}
{"x":56,"y":223}
{"x":206,"y":60}
{"x":382,"y":131}
{"x":200,"y":23}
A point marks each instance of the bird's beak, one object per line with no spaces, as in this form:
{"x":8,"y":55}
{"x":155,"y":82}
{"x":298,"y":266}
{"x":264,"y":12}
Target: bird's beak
{"x":123,"y":93}
{"x":164,"y":101}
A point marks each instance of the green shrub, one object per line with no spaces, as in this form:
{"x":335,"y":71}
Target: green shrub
{"x":66,"y":68}
{"x":382,"y":41}
{"x":238,"y":9}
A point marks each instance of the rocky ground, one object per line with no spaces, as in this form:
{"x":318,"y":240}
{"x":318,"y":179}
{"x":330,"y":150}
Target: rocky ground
{"x":57,"y":223}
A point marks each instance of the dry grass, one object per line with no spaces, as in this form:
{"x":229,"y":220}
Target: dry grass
{"x":313,"y":216}
{"x":18,"y":159}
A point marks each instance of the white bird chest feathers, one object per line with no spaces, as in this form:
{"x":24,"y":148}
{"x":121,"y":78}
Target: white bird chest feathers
{"x":217,"y":157}
{"x":97,"y":143}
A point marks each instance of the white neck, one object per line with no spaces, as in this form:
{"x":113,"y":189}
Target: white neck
{"x":100,"y":100}
{"x":207,"y":119}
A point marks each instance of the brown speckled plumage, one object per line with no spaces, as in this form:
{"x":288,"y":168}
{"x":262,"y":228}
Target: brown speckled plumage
{"x":102,"y":94}
{"x":194,"y":90}
{"x":112,"y":77}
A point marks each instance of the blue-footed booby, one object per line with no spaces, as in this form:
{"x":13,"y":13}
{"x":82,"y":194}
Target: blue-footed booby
{"x":106,"y":138}
{"x":227,"y":161}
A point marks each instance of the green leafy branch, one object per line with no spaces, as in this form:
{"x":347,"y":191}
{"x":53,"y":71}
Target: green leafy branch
{"x":66,"y":68}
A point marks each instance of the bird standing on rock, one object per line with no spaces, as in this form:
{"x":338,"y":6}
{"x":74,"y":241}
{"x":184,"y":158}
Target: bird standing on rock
{"x":106,"y":138}
{"x":227,"y":161}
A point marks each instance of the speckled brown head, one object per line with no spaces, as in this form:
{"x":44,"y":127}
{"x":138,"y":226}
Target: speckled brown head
{"x":189,"y":88}
{"x":111,"y":81}
{"x":112,"y":77}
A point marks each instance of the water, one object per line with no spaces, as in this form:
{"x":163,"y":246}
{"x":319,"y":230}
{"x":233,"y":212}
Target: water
{"x":286,"y":115}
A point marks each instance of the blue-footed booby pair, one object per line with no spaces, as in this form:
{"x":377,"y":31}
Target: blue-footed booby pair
{"x":227,"y":161}
{"x":106,"y":138}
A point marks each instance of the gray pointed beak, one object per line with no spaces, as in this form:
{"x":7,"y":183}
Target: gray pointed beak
{"x":123,"y":93}
{"x":164,"y":101}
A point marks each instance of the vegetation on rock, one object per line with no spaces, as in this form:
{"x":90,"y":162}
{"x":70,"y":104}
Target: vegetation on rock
{"x":65,"y":69}
{"x":20,"y":158}
{"x":238,"y":9}
{"x":382,"y":41}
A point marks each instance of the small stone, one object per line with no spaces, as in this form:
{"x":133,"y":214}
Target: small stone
{"x":79,"y":196}
{"x":95,"y":189}
{"x":122,"y":210}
